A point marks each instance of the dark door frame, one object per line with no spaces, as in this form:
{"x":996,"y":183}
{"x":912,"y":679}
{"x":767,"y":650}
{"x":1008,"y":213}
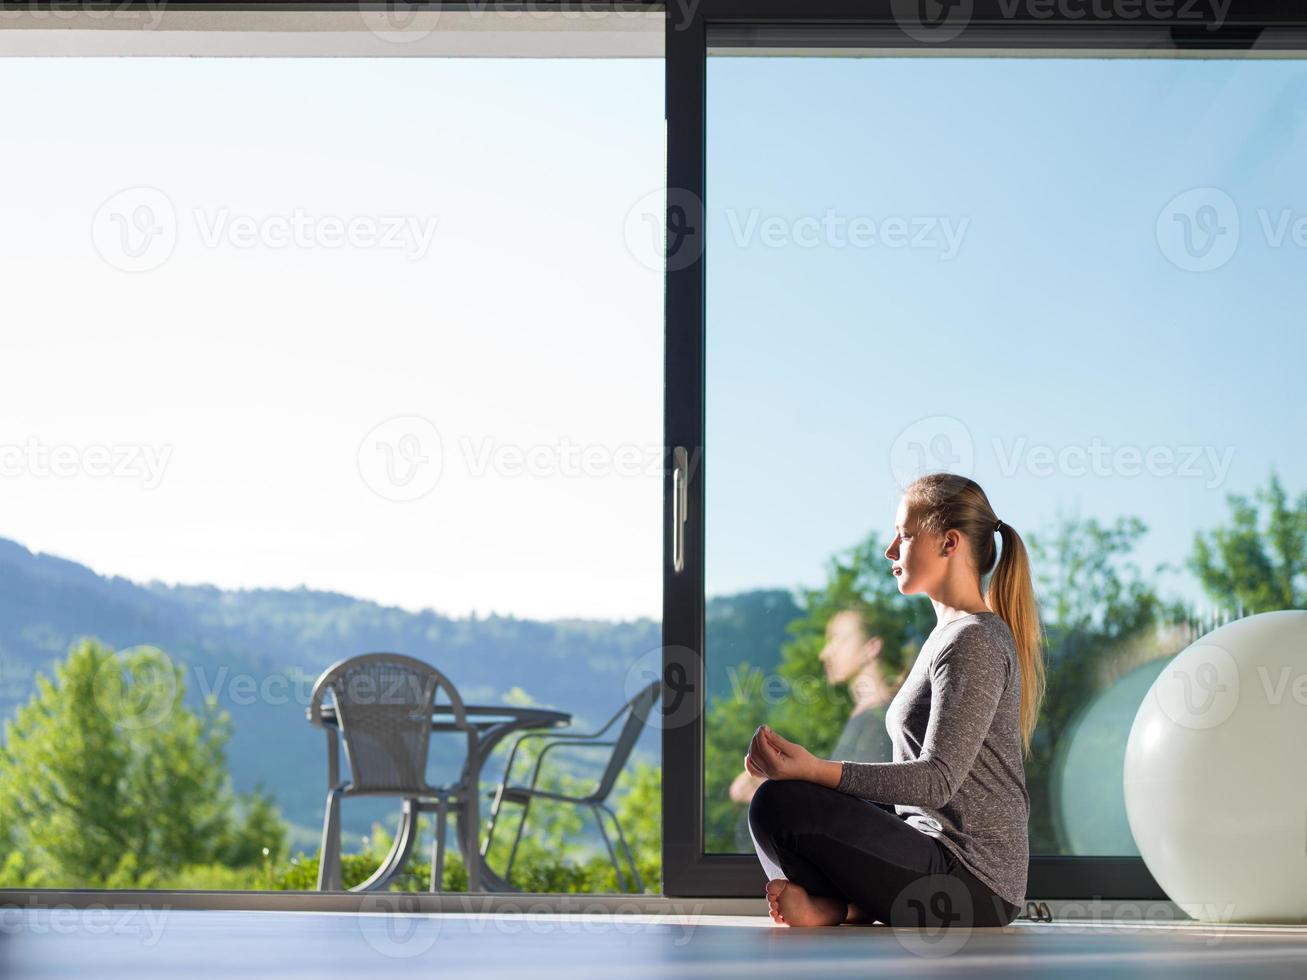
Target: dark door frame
{"x":1272,"y":25}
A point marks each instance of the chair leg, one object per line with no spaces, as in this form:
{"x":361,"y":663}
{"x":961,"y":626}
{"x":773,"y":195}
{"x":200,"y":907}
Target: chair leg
{"x":635,"y":872}
{"x":491,"y":879}
{"x":508,"y":871}
{"x":329,"y":858}
{"x":438,"y":849}
{"x":490,"y":827}
{"x":396,"y":860}
{"x":612,"y":855}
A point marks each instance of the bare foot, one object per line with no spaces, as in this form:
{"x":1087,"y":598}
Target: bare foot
{"x":858,"y":917}
{"x":790,"y":905}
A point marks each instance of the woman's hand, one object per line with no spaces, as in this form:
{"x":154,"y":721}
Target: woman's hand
{"x":773,"y":757}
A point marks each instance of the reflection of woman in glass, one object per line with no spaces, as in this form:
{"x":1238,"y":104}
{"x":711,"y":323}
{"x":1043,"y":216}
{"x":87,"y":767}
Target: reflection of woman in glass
{"x":938,"y":837}
{"x":854,"y":657}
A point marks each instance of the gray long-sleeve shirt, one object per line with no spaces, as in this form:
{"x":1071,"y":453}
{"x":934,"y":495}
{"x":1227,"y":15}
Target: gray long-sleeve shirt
{"x":957,"y":773}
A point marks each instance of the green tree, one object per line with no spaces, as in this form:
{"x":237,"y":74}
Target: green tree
{"x":257,"y":836}
{"x":107,"y":778}
{"x":1258,"y":563}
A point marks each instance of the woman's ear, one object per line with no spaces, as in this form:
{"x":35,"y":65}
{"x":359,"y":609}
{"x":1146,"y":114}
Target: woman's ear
{"x":871,"y":649}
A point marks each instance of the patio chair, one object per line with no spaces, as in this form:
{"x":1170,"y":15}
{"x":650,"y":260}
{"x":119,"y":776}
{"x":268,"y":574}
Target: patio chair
{"x":384,"y":704}
{"x":637,"y":712}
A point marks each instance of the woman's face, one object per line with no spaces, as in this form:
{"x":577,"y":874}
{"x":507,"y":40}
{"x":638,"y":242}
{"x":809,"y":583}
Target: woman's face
{"x":847,"y":648}
{"x":913,"y":561}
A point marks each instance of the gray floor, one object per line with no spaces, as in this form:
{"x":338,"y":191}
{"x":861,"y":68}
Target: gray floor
{"x":108,"y":943}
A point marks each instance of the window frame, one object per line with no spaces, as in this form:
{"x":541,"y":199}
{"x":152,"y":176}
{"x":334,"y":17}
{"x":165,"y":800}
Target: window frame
{"x":149,"y":28}
{"x":1274,"y":26}
{"x":687,"y":870}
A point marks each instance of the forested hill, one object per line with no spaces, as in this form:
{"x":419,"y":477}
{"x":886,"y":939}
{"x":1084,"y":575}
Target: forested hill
{"x":259,"y":650}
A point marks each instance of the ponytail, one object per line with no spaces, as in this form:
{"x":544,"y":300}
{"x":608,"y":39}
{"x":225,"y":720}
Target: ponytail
{"x":1011,"y":594}
{"x":946,"y":500}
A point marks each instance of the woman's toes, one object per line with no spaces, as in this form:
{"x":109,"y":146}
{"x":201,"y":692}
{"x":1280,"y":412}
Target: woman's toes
{"x":797,"y":908}
{"x":774,"y":889}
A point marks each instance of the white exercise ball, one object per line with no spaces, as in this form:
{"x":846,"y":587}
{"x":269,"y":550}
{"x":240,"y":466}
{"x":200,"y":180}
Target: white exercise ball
{"x":1216,"y":773}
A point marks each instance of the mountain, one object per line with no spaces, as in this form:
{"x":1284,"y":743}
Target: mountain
{"x":258,"y":651}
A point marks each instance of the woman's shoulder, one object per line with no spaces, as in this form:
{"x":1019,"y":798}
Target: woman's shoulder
{"x":979,"y":634}
{"x":977,"y":627}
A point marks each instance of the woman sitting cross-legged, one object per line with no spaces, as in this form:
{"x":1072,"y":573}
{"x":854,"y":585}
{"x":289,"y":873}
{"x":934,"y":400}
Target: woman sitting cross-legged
{"x":938,"y":837}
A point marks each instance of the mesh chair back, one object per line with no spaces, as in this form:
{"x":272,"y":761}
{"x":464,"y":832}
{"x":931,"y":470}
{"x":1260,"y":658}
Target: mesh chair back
{"x":639,"y":707}
{"x":384,"y":703}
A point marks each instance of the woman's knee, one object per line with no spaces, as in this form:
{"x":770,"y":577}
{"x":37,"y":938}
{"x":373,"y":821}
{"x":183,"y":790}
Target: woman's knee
{"x":780,"y":802}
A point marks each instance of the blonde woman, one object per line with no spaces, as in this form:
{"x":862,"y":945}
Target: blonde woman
{"x":939,"y":835}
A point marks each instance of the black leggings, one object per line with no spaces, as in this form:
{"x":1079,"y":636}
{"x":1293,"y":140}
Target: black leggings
{"x":863,"y":852}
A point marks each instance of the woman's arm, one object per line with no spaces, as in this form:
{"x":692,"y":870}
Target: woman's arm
{"x":967,"y":676}
{"x":827,"y":773}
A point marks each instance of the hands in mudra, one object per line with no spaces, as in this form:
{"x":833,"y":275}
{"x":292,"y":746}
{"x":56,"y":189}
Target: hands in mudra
{"x":773,"y":757}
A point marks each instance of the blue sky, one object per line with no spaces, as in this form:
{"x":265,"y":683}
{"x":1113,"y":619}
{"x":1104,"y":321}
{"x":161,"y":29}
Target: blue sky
{"x":1040,"y":299}
{"x":519,"y":334}
{"x":1060,"y":318}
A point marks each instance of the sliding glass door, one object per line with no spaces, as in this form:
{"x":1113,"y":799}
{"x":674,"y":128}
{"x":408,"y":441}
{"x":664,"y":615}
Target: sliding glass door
{"x":1071,"y":272}
{"x":306,"y":322}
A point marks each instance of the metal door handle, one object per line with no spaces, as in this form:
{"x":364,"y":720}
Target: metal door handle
{"x":680,"y":504}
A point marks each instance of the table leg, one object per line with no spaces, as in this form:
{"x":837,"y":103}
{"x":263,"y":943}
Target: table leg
{"x":469,"y":814}
{"x":469,"y":825}
{"x":479,"y":874}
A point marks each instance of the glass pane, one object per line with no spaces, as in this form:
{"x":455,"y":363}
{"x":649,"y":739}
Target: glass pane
{"x":1078,"y":281}
{"x":302,"y":360}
